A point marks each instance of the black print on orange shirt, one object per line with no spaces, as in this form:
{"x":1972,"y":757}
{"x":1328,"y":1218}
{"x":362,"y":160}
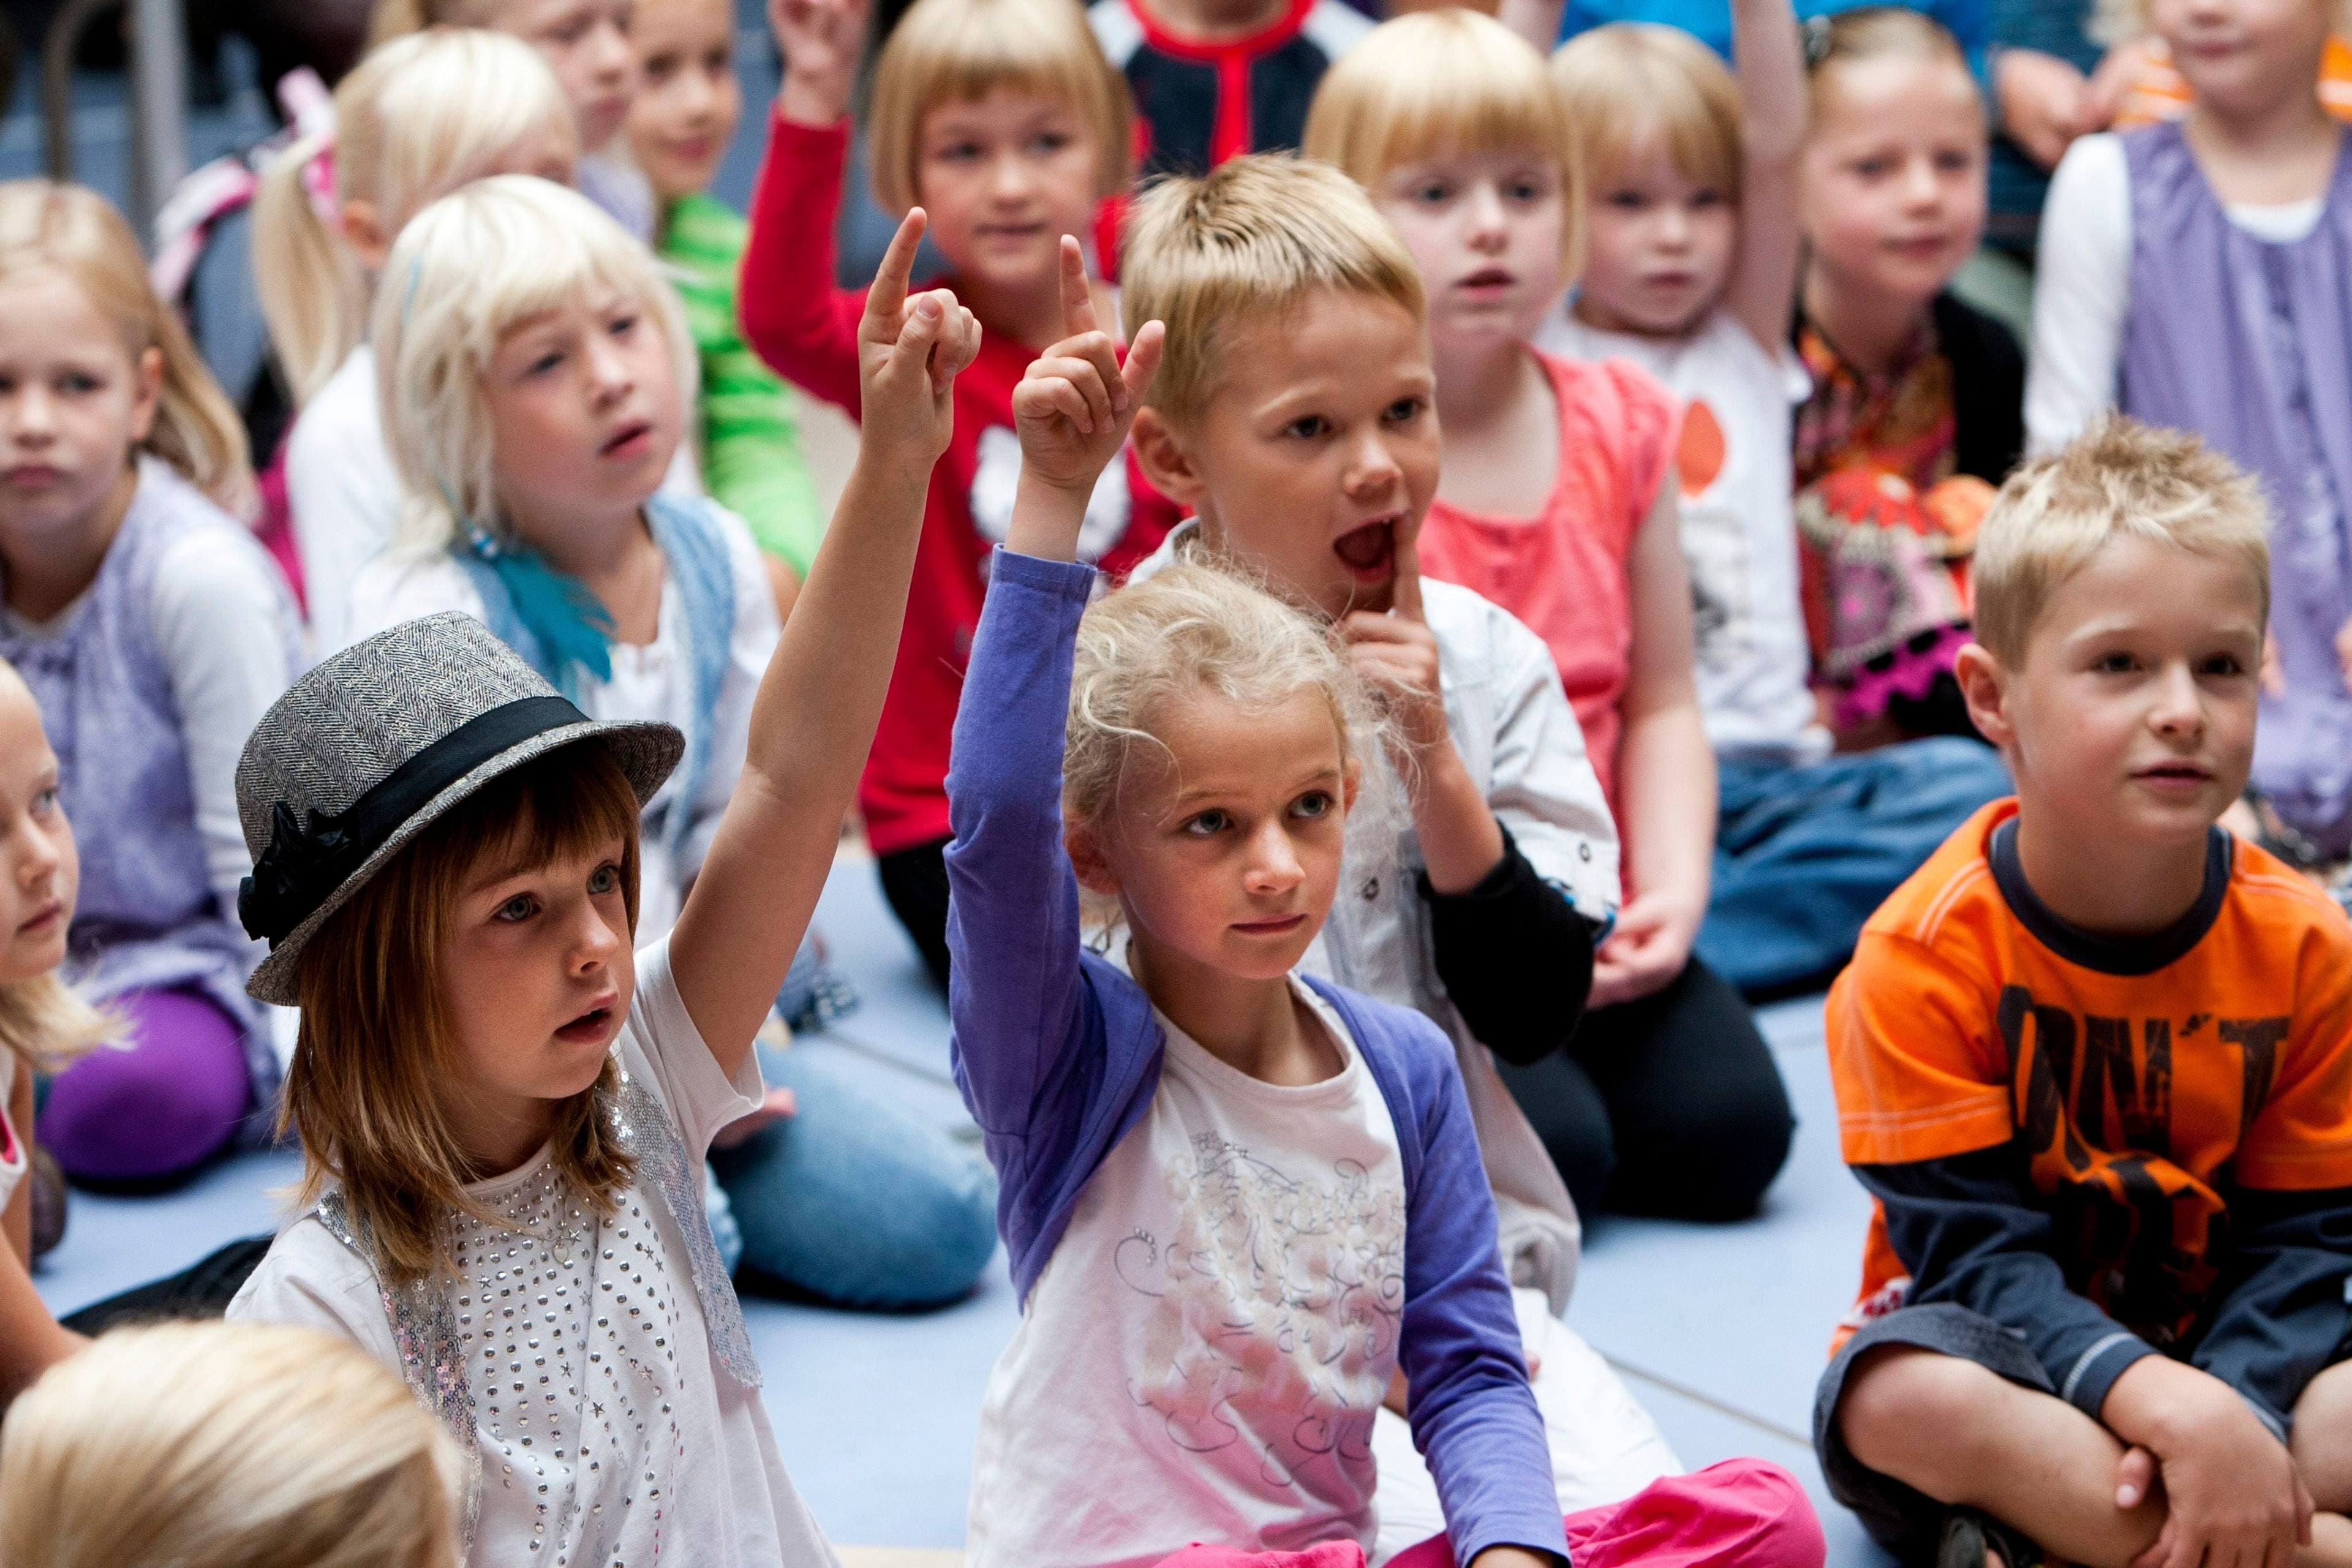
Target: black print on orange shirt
{"x":2135,"y":1229}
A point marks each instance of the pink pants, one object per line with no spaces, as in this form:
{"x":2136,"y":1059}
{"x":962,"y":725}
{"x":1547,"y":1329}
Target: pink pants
{"x":1742,"y":1513}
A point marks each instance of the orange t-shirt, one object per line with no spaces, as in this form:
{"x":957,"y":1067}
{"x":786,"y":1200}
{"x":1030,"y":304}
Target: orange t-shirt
{"x":2140,"y":1099}
{"x":2157,"y":91}
{"x":1564,"y":571}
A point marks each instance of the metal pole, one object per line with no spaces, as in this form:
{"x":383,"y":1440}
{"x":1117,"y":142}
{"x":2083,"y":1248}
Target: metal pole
{"x":159,"y":109}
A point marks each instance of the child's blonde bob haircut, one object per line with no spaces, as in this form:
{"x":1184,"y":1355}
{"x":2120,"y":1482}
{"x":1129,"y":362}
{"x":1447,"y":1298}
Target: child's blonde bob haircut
{"x":73,"y":231}
{"x":956,"y":51}
{"x":415,"y":120}
{"x":2119,"y":479}
{"x":1435,"y":84}
{"x":1195,"y":625}
{"x":467,"y":270}
{"x":225,"y":1446}
{"x":1630,"y":86}
{"x":1245,"y":243}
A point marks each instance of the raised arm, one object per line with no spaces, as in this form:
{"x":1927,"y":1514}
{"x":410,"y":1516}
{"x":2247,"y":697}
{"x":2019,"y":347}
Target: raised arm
{"x":1770,"y":64}
{"x":813,"y":719}
{"x":803,"y":324}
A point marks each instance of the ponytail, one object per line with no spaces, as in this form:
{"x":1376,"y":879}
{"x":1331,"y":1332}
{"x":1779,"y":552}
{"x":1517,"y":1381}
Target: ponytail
{"x":313,"y":294}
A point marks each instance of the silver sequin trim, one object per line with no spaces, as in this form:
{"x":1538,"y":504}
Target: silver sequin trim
{"x":645,"y":1131}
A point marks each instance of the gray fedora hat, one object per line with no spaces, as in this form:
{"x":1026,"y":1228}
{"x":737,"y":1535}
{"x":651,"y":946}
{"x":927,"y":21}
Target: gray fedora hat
{"x":371,"y":746}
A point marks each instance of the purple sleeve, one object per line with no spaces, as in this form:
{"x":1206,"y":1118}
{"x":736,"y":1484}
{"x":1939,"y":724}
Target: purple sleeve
{"x":1020,"y":1011}
{"x":1474,"y":1417}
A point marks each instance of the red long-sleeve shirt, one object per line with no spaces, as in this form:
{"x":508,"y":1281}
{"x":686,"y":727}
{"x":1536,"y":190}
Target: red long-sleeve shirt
{"x":807,"y":328}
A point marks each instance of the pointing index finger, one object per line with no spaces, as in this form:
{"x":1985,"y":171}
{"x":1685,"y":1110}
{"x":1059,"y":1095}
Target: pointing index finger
{"x":1405,"y":597}
{"x":1078,"y":294}
{"x":887,"y":299}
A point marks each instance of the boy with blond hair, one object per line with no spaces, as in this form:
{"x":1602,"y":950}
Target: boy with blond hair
{"x":1293,"y":413}
{"x":2092,"y":1063}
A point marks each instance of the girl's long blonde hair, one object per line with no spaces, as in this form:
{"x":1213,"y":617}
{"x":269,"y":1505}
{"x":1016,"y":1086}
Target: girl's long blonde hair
{"x":415,"y":120}
{"x":44,"y":1022}
{"x":74,"y":231}
{"x":225,"y":1446}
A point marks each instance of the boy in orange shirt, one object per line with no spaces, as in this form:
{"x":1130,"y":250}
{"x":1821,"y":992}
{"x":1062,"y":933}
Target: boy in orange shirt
{"x":2093,"y":1063}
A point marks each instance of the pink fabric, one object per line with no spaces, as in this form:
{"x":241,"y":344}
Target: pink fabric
{"x":1564,"y":572}
{"x":1742,"y":1513}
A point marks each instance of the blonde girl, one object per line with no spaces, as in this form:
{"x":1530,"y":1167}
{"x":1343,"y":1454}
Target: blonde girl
{"x":491,"y":1084}
{"x":1003,"y":121}
{"x":220,"y":1446}
{"x":152,"y":631}
{"x":586,"y":44}
{"x":535,"y":381}
{"x":419,"y":118}
{"x":2192,"y":276}
{"x":1685,"y":176}
{"x":1913,"y":415}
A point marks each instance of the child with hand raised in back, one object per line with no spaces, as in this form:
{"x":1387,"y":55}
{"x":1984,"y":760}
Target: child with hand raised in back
{"x":2193,"y":275}
{"x":1556,"y":499}
{"x":1682,"y":193}
{"x":535,"y":388}
{"x":490,"y":1085}
{"x":153,"y":632}
{"x":1003,"y":120}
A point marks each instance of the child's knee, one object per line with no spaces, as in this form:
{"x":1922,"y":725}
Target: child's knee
{"x":2322,"y":1442}
{"x":1910,"y":1413}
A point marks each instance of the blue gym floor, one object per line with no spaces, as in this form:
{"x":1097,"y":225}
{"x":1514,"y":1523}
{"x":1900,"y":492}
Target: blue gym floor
{"x":1719,"y":1330}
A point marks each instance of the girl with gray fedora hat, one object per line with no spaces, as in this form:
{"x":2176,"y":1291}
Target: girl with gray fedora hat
{"x":504,"y":1110}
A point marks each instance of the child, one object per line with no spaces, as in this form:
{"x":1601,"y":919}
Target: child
{"x":2194,"y":276}
{"x":1913,"y":415}
{"x":534,"y":384}
{"x":42,"y":1023}
{"x":1553,"y":501}
{"x":1293,"y":412}
{"x":586,"y":44}
{"x":1683,"y":182}
{"x":213,"y":1445}
{"x":419,"y":118}
{"x":684,"y":116}
{"x":1001,"y":118}
{"x":2090,"y":1063}
{"x":1214,"y":78}
{"x":152,"y":631}
{"x":446,"y":870}
{"x":1238,"y":1199}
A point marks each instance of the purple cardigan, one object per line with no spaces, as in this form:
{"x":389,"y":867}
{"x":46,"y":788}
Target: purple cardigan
{"x":1058,"y":1054}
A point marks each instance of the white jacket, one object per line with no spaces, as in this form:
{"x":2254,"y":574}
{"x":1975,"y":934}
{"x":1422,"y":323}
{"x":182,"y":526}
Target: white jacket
{"x":1519,"y":738}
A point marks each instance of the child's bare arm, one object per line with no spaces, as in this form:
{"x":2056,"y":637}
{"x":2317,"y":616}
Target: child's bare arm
{"x":1770,"y":64}
{"x":1666,"y":772}
{"x":1073,"y":409}
{"x":820,"y":40}
{"x":813,"y":720}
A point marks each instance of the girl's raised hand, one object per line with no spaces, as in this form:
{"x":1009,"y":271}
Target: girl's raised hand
{"x":1074,"y":404}
{"x":910,"y":351}
{"x":820,"y":40}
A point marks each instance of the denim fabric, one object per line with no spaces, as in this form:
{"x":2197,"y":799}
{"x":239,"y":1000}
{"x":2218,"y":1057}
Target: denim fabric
{"x":853,"y":1200}
{"x":1803,"y":854}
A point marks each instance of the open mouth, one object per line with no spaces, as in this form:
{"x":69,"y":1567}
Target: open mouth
{"x":1369,"y":550}
{"x":1488,"y":278}
{"x":629,"y":441}
{"x":591,"y":1027}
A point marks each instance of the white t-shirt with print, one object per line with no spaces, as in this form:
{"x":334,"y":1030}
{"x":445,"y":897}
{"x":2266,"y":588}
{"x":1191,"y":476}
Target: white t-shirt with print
{"x":608,"y":1432}
{"x":1739,"y":525}
{"x":1203,"y":1355}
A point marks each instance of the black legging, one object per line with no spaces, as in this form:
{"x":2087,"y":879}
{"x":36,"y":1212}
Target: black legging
{"x":915,"y":881}
{"x":203,"y":1291}
{"x":1669,"y":1105}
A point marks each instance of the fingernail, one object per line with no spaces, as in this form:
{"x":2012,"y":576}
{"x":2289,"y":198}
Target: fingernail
{"x":928,"y":306}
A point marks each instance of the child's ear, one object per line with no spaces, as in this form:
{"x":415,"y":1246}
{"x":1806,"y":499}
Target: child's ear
{"x":1165,"y":462}
{"x":1094,"y":872}
{"x":146,"y":394}
{"x":363,"y":231}
{"x":1984,"y":685}
{"x":1351,"y":784}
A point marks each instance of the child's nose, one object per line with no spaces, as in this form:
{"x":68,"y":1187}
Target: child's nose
{"x":1273,"y":863}
{"x":2179,"y":706}
{"x":614,"y":57}
{"x":1371,"y":467}
{"x":1487,"y":218}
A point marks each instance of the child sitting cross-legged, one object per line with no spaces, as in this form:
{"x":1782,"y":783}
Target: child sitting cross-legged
{"x":1556,"y":499}
{"x":2091,"y":1063}
{"x":1237,"y":1199}
{"x":1003,"y":120}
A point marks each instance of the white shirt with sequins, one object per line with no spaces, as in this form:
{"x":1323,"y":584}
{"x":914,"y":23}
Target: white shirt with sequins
{"x":609,"y":1434}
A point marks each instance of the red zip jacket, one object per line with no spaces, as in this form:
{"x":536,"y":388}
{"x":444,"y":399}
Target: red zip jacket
{"x":806,"y":328}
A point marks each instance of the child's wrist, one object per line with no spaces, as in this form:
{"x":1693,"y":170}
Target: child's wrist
{"x":817,"y":100}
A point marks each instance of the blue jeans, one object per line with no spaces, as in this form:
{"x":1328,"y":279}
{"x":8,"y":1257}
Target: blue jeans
{"x":1803,"y":854}
{"x":853,"y":1200}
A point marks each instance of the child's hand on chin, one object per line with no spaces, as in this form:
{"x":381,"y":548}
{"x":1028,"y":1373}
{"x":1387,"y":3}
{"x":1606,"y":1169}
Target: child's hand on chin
{"x":910,"y":351}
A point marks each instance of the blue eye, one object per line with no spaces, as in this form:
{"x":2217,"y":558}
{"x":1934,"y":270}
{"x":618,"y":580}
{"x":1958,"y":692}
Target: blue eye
{"x":45,"y":801}
{"x":604,"y":880}
{"x":517,"y":910}
{"x":1308,"y":427}
{"x":1314,"y":805}
{"x":1208,"y":824}
{"x":78,"y":383}
{"x":1405,"y":410}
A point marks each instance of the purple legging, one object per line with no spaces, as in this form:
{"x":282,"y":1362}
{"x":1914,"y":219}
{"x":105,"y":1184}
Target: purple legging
{"x":160,"y":1108}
